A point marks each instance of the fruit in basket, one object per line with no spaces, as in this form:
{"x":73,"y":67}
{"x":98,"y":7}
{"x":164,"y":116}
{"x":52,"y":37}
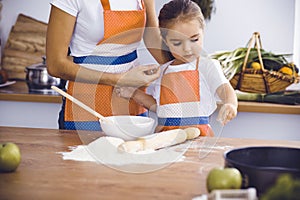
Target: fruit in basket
{"x":286,"y":70}
{"x":232,"y":61}
{"x":256,"y":65}
{"x":237,"y":68}
{"x":294,"y":67}
{"x":10,"y":157}
{"x":223,"y":178}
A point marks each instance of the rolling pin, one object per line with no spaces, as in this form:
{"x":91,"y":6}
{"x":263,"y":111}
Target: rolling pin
{"x":159,"y":140}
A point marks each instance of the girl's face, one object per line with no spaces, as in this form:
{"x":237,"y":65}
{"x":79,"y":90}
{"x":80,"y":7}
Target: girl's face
{"x":185,"y":40}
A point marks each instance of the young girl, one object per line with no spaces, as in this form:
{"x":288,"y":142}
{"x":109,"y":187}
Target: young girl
{"x":184,"y":95}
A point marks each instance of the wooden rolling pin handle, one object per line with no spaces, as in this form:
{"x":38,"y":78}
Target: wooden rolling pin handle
{"x":192,"y":133}
{"x":159,"y":140}
{"x":165,"y":139}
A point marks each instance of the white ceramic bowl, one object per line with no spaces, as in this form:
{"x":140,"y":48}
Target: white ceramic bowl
{"x":128,"y":127}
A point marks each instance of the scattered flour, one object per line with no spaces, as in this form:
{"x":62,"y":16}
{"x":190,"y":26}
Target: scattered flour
{"x":104,"y":150}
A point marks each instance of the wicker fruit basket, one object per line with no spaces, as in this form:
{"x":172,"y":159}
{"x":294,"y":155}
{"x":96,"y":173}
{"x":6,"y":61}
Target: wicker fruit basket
{"x":247,"y":72}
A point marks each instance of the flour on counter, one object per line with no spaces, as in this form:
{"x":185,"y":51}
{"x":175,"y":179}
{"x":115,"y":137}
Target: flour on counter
{"x":104,"y":150}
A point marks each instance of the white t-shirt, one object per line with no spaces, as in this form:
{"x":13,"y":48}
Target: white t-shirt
{"x":211,"y":77}
{"x":89,"y":21}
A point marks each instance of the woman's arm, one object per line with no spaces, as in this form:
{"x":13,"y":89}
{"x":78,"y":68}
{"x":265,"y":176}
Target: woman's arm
{"x":152,"y":37}
{"x":228,"y":110}
{"x":59,"y":34}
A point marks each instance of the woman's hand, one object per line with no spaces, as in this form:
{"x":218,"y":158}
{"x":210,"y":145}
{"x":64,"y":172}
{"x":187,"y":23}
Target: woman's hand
{"x":227,"y":112}
{"x":139,"y":76}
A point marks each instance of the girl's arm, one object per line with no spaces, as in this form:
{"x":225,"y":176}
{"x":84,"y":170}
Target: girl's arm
{"x":228,"y":110}
{"x":138,"y":96}
{"x":59,"y":34}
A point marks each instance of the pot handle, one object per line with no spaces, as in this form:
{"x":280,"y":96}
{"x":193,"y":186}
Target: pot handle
{"x":44,"y":59}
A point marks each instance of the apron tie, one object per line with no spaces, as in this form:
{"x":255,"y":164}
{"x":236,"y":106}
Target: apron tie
{"x":106,"y":60}
{"x":178,"y":121}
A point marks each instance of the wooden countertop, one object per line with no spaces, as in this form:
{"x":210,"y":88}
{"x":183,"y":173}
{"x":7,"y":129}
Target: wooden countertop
{"x":43,"y":174}
{"x":19,"y":92}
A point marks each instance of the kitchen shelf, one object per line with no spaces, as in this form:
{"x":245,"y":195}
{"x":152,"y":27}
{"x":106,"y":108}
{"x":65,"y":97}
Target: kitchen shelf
{"x":19,"y":92}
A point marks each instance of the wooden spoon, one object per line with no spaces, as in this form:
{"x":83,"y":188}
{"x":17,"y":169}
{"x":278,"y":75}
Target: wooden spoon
{"x":79,"y":103}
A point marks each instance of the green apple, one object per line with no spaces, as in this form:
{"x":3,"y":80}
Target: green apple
{"x":223,"y":178}
{"x":10,"y":157}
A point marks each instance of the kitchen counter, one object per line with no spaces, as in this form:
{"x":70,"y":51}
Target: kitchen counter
{"x":43,"y":174}
{"x":19,"y":92}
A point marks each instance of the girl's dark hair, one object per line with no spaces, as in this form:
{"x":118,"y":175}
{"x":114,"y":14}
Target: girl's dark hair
{"x":177,"y":11}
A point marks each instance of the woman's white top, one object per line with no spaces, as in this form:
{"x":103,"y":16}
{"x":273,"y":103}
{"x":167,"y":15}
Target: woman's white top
{"x":89,"y":21}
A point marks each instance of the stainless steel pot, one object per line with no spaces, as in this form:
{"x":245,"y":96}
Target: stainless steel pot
{"x":38,"y":80}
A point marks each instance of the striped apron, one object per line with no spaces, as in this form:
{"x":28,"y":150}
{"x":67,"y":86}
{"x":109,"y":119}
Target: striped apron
{"x":115,"y":53}
{"x":179,"y":102}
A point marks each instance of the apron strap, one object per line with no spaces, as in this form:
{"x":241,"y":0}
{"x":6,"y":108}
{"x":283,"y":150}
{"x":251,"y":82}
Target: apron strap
{"x":105,"y":4}
{"x":170,"y":62}
{"x":197,"y":64}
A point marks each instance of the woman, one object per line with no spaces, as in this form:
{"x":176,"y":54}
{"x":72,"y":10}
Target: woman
{"x":102,"y":36}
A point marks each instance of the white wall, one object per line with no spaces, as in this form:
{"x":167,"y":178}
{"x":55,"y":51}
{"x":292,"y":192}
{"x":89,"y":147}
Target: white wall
{"x":235,"y":21}
{"x":29,"y":114}
{"x":296,"y":57}
{"x":230,"y":27}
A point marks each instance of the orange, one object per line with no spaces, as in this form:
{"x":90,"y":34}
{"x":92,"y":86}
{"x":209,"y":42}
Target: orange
{"x":256,"y":65}
{"x":286,"y":70}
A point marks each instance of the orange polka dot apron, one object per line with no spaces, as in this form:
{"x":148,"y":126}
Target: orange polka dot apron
{"x":115,"y":53}
{"x":179,"y":102}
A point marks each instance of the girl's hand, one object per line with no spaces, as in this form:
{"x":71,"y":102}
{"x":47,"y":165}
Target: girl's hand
{"x":139,"y":76}
{"x":125,"y":92}
{"x":227,"y":112}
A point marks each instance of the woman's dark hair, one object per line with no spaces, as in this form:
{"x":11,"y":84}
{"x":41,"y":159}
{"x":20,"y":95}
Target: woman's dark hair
{"x":177,"y":11}
{"x":207,"y":7}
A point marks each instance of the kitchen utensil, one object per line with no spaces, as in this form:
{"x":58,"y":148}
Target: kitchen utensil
{"x":128,"y":127}
{"x":124,"y":126}
{"x":234,"y":194}
{"x":260,"y":166}
{"x":38,"y":79}
{"x":160,"y":140}
{"x":7,"y":83}
{"x":79,"y":103}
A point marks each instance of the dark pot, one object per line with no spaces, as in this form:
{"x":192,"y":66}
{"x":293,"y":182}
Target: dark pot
{"x":38,"y":79}
{"x":261,"y":166}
